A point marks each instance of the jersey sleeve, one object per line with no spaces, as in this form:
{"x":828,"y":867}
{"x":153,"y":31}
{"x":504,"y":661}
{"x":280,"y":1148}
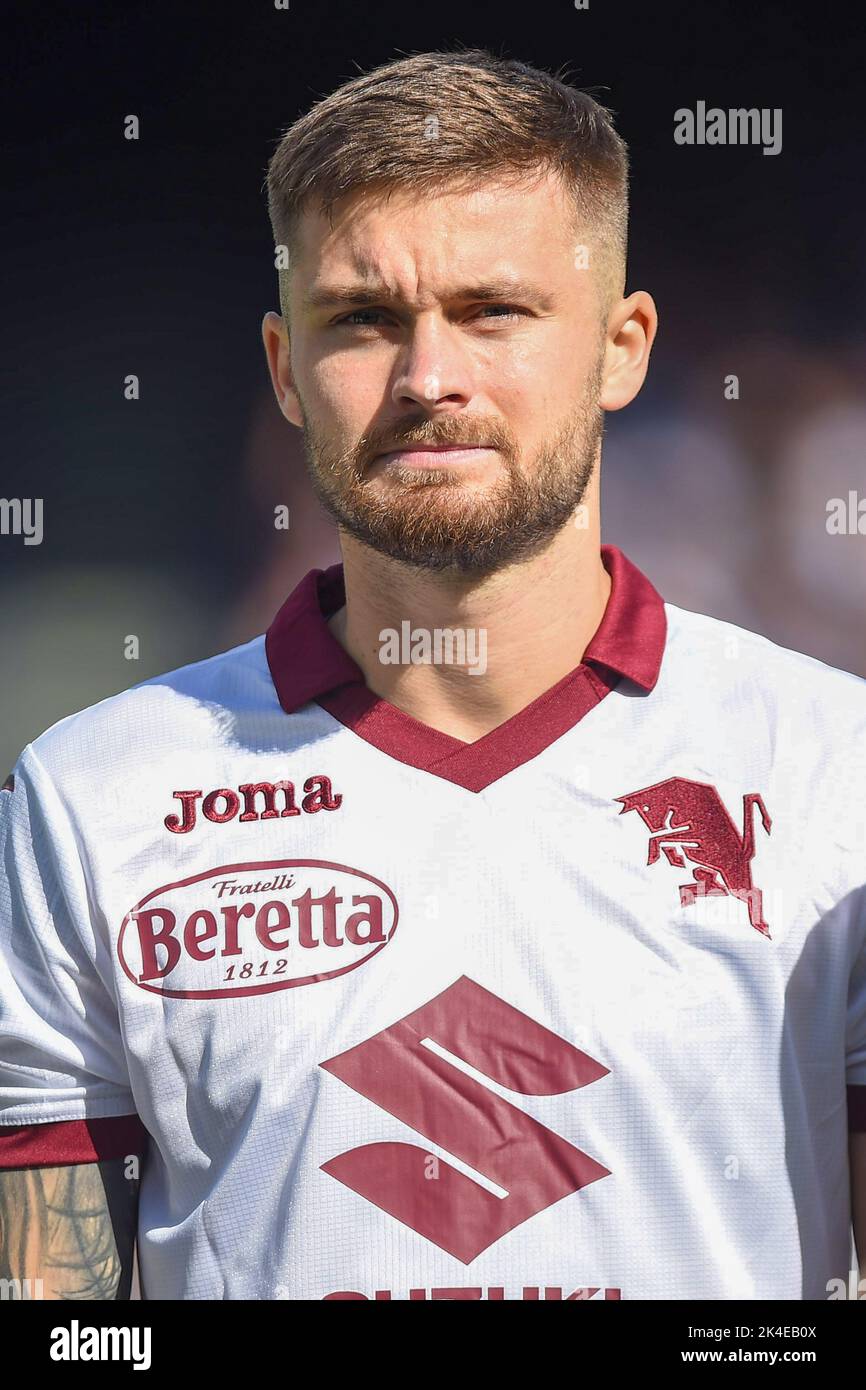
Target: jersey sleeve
{"x":65,"y":1094}
{"x":855,"y":1039}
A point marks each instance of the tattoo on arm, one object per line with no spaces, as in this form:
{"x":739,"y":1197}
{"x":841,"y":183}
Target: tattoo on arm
{"x":73,"y":1227}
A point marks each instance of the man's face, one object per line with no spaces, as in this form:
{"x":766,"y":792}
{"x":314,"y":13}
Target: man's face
{"x":478,"y":327}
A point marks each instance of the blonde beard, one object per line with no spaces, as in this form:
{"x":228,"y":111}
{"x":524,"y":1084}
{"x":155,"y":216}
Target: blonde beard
{"x":427,"y":519}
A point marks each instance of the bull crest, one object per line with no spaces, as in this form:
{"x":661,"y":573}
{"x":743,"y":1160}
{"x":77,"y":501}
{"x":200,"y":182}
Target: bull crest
{"x":689,"y":821}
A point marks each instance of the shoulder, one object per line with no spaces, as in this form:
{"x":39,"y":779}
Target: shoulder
{"x":741,"y":691}
{"x":723,"y":657}
{"x":164,"y":713}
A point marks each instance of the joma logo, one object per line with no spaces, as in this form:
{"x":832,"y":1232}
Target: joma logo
{"x":223,"y":804}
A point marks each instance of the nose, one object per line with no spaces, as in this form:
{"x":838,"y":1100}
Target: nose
{"x":433,"y":368}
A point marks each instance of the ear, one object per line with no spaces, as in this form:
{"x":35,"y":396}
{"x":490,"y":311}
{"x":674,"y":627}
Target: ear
{"x":631,"y":332}
{"x":279,"y":358}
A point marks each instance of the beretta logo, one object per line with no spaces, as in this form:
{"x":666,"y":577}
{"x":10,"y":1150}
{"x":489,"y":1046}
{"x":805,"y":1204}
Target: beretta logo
{"x":253,"y":928}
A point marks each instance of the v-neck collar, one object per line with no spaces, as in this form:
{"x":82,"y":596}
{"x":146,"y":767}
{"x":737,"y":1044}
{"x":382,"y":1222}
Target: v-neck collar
{"x":307,"y":662}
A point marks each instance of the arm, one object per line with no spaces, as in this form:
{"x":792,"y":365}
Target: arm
{"x":68,"y":1186}
{"x":72,"y":1227}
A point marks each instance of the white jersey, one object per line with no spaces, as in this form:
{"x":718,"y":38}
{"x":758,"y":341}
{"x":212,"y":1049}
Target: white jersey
{"x":577,"y":1010}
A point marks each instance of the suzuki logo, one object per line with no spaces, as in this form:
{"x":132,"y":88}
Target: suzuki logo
{"x":402,"y":1070}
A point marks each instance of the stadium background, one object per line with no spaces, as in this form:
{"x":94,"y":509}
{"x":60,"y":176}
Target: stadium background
{"x":154,"y":257}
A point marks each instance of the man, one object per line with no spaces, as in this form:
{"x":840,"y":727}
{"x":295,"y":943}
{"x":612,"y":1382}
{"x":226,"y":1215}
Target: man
{"x":489,"y":928}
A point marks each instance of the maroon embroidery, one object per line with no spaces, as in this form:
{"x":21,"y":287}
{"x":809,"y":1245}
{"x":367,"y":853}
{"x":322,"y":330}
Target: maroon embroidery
{"x":532,"y":1165}
{"x":223,"y":804}
{"x":255,"y":928}
{"x":690,"y":818}
{"x":210,"y":808}
{"x":187,"y":801}
{"x":268,"y":790}
{"x":496,"y":1293}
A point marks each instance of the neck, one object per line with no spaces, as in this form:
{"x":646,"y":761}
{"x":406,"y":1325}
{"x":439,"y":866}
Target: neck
{"x":524,"y":628}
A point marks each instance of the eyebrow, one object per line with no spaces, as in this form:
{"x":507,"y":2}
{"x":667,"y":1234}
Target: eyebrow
{"x":366,"y":295}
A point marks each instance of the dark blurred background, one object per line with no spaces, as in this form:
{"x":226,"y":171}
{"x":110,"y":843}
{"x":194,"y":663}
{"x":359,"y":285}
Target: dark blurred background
{"x":153,"y":257}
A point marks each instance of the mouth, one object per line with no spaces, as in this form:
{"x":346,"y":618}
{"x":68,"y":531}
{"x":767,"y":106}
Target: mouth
{"x":434,"y":455}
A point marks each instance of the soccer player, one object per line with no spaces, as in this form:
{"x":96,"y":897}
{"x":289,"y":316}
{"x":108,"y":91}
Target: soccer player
{"x":489,"y":927}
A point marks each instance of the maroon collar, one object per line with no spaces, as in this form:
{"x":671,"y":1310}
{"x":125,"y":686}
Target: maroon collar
{"x":307,"y":663}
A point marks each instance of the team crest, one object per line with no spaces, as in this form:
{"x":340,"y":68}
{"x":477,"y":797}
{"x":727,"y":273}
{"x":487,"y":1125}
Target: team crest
{"x":689,"y":821}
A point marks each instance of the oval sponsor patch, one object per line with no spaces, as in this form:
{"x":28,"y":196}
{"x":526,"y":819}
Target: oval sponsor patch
{"x":253,"y":928}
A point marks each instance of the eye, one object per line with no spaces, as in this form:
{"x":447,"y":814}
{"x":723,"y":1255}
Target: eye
{"x":364,"y":318}
{"x":510,"y":311}
{"x":355,"y":314}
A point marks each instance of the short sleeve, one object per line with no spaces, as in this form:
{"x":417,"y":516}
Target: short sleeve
{"x":62,"y":1060}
